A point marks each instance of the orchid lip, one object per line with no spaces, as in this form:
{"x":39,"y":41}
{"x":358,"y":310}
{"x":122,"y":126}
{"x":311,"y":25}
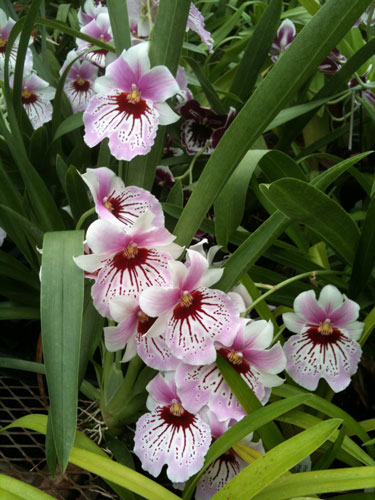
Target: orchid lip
{"x":325,"y":328}
{"x":186,"y":299}
{"x":235,"y":358}
{"x":176,"y":408}
{"x":131,"y":251}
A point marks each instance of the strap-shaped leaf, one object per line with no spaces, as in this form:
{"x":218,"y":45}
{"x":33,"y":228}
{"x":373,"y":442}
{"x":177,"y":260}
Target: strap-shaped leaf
{"x":292,"y":70}
{"x":14,"y":489}
{"x":257,"y":419}
{"x":276,"y":462}
{"x":118,"y":14}
{"x":307,"y":205}
{"x":316,"y":482}
{"x":364,"y":260}
{"x":61,"y":316}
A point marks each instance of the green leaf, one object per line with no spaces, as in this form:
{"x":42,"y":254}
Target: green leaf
{"x":369,"y":326}
{"x":176,"y":195}
{"x":22,"y":364}
{"x":364,"y":260}
{"x":233,"y":435}
{"x":276,"y":462}
{"x":226,"y":27}
{"x":118,"y":15}
{"x":276,"y":165}
{"x":325,"y":179}
{"x":270,"y":434}
{"x":251,"y":250}
{"x":230,"y":204}
{"x":68,"y":125}
{"x":16,"y":489}
{"x":256,"y":51}
{"x":13,"y":268}
{"x":307,"y":205}
{"x":76,"y":191}
{"x":291,"y":71}
{"x":9,"y":310}
{"x":316,"y":482}
{"x":61,"y":316}
{"x":206,"y":86}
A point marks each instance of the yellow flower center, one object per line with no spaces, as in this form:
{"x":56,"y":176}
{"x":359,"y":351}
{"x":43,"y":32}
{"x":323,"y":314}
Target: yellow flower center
{"x":2,"y":42}
{"x":186,"y":299}
{"x":131,"y":251}
{"x":176,"y":408}
{"x":325,"y":328}
{"x":26,"y":94}
{"x":235,"y":357}
{"x":107,"y":204}
{"x":134,"y":95}
{"x":80,"y":81}
{"x":142,"y":317}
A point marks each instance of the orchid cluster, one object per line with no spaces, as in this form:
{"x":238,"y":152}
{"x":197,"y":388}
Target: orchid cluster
{"x":169,"y":315}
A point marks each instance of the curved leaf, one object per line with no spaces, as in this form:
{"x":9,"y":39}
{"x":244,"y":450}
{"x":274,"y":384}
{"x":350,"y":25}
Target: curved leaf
{"x":19,"y":490}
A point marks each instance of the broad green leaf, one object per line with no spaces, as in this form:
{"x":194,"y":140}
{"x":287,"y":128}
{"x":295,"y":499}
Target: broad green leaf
{"x":369,"y":326}
{"x":21,"y":364}
{"x":241,"y":429}
{"x":230,"y":204}
{"x":270,"y":434}
{"x":13,"y":268}
{"x":15,"y":489}
{"x":226,"y":27}
{"x":364,"y":260}
{"x":118,"y":14}
{"x":256,"y":51}
{"x":276,"y":165}
{"x":68,"y":125}
{"x":276,"y":462}
{"x":327,"y":408}
{"x":326,"y":178}
{"x":252,"y":249}
{"x":316,"y":482}
{"x":176,"y":195}
{"x":61,"y":316}
{"x":307,"y":205}
{"x":312,"y":6}
{"x":291,"y":71}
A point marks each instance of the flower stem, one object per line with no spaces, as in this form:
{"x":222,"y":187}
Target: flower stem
{"x":84,"y":216}
{"x":311,"y":274}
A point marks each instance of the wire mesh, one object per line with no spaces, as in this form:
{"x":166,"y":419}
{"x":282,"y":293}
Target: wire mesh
{"x":22,"y":453}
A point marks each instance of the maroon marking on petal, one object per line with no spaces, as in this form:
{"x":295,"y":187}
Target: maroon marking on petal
{"x":144,"y":323}
{"x":316,"y":337}
{"x":28,"y":97}
{"x":3,"y":46}
{"x":81,"y":85}
{"x":240,"y":365}
{"x":185,"y":420}
{"x":130,"y":107}
{"x":121,"y":206}
{"x":183,"y":312}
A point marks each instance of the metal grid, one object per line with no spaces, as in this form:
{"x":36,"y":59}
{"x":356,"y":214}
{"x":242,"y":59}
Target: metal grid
{"x":22,"y":454}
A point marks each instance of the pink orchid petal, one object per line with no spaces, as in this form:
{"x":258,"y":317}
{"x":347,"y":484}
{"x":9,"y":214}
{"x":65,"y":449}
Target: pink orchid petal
{"x":333,"y":357}
{"x":124,"y":309}
{"x":273,"y":360}
{"x":155,"y":353}
{"x":353,"y":330}
{"x":162,"y":389}
{"x":293,"y":322}
{"x":307,"y":307}
{"x":158,"y":84}
{"x":330,"y":299}
{"x":197,"y":265}
{"x":154,"y":300}
{"x":90,"y":263}
{"x":115,"y":337}
{"x":166,"y":114}
{"x":256,"y":335}
{"x":345,"y":314}
{"x":121,"y":75}
{"x":137,"y":58}
{"x":104,"y":237}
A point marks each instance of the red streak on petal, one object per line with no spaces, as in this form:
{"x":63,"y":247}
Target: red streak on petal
{"x":137,"y":109}
{"x":318,"y":338}
{"x":241,"y":367}
{"x":185,"y":420}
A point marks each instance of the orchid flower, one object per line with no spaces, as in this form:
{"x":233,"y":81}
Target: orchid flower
{"x":198,"y":127}
{"x":332,"y":63}
{"x":99,"y":28}
{"x":91,"y":11}
{"x":79,"y":83}
{"x":169,"y":434}
{"x":130,"y":332}
{"x":191,"y":315}
{"x":127,"y":260}
{"x":325,"y":345}
{"x":116,"y":203}
{"x":248,"y":354}
{"x":364,"y":19}
{"x":284,"y":37}
{"x":36,"y":99}
{"x":130,"y":104}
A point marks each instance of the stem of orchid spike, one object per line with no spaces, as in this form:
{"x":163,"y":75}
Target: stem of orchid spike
{"x":83,"y":217}
{"x":275,"y":288}
{"x":189,"y":171}
{"x":149,"y":17}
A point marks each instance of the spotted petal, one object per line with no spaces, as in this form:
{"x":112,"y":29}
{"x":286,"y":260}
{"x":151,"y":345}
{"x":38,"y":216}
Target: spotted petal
{"x":311,"y":356}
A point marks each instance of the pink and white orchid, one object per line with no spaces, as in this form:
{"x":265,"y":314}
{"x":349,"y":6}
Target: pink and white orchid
{"x":127,"y":260}
{"x":79,"y":83}
{"x":364,"y":19}
{"x":130,"y":104}
{"x":99,"y":28}
{"x":130,"y":333}
{"x":91,"y":11}
{"x":169,"y":434}
{"x":248,"y":354}
{"x":116,"y":203}
{"x":36,"y":99}
{"x":325,"y":345}
{"x":191,"y":315}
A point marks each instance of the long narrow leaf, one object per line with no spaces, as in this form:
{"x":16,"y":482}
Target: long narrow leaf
{"x":20,"y":490}
{"x":61,"y":315}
